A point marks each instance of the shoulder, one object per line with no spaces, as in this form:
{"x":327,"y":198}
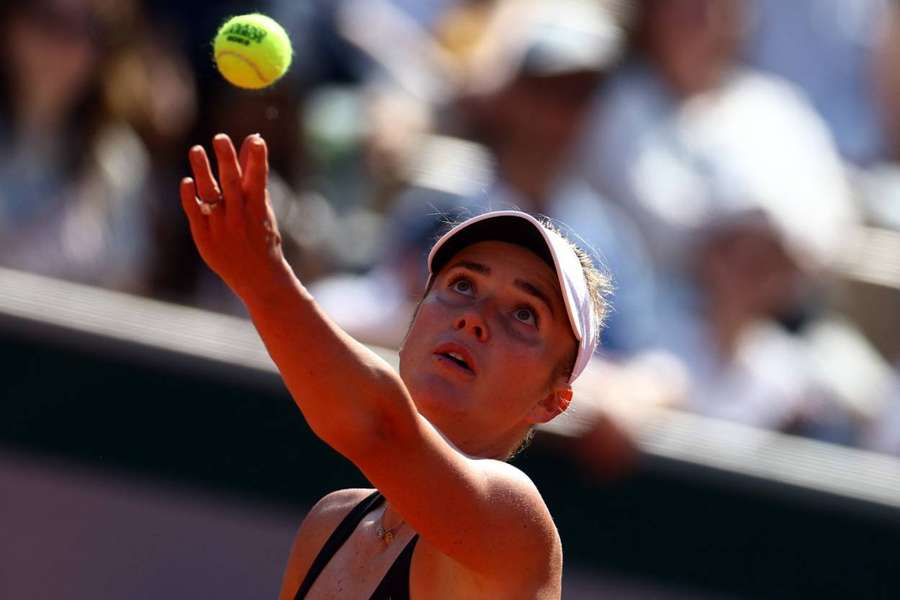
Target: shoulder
{"x":521,"y":502}
{"x":318,"y":524}
{"x":523,"y":552}
{"x":322,"y":519}
{"x":516,"y":552}
{"x":335,"y":506}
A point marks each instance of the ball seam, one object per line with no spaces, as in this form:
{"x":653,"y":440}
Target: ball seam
{"x":249,"y":62}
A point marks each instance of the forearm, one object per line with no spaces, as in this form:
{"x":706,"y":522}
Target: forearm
{"x":350,"y":397}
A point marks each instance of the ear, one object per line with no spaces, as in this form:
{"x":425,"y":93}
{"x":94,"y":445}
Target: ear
{"x":553,"y":405}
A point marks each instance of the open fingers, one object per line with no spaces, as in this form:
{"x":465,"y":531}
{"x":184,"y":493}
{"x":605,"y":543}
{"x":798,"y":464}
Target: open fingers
{"x":229,"y":172}
{"x":256,"y":176}
{"x":207,"y":188}
{"x":244,"y":154}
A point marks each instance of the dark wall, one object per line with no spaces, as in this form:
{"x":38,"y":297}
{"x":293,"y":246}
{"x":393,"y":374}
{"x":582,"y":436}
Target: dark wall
{"x":238,"y":431}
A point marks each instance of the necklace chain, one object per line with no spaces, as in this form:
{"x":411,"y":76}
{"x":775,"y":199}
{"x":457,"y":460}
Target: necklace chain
{"x":387,"y":534}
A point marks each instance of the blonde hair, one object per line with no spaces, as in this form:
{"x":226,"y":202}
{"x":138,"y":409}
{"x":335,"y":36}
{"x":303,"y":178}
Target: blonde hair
{"x":599,"y":284}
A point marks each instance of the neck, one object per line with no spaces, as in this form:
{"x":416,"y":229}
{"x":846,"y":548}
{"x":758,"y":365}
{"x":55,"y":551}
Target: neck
{"x":497,"y":449}
{"x":391,"y":519}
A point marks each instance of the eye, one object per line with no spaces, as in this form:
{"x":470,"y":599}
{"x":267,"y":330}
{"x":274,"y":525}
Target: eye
{"x":526,"y":315}
{"x":462,"y":286}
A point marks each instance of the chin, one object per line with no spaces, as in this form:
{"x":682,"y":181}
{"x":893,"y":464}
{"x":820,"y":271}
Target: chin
{"x":438,"y":399}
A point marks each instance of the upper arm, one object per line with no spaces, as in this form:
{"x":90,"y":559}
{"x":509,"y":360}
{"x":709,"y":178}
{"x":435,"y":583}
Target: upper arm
{"x":317,"y":526}
{"x":483,"y":513}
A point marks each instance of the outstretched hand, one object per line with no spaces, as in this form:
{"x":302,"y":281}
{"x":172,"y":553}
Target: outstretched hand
{"x":231,"y":220}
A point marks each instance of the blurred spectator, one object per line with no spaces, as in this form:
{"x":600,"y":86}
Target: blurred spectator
{"x":530,"y":120}
{"x":150,"y":89}
{"x":70,"y":169}
{"x":682,"y":130}
{"x":879,"y":184}
{"x":737,"y":213}
{"x":830,"y":49}
{"x":888,"y":77}
{"x":743,"y":365}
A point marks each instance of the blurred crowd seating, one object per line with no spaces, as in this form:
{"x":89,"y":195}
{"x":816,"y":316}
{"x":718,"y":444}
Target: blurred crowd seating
{"x":734,"y":165}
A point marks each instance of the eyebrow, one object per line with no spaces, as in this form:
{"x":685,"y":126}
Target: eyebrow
{"x":479,"y":268}
{"x":527,"y":287}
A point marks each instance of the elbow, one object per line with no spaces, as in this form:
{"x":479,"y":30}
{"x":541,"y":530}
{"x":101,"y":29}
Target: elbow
{"x":371,"y":427}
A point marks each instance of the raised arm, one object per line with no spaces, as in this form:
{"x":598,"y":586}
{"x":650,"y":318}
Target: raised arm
{"x":339,"y":385}
{"x":483,"y":513}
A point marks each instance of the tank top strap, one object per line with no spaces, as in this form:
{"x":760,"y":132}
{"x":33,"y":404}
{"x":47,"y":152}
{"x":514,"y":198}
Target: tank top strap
{"x":340,"y":535}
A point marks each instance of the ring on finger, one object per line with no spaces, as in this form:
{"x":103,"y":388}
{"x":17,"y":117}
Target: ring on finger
{"x":207,"y":207}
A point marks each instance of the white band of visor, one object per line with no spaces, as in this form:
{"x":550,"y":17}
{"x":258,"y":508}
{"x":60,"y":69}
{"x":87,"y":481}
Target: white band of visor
{"x":496,"y":225}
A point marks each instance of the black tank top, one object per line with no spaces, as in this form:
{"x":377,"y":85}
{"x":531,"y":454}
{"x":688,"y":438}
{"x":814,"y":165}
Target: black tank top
{"x":395,"y":583}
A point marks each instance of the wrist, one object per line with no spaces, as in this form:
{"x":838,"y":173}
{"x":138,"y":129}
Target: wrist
{"x":272,"y":287}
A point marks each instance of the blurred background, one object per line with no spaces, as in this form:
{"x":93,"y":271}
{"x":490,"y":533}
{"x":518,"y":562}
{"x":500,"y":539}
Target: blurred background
{"x":733,"y":164}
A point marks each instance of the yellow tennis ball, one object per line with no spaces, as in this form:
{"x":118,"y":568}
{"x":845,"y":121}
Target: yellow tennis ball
{"x":252,"y":51}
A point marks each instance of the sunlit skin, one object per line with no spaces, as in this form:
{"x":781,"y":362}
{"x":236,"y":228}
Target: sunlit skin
{"x":502,"y":304}
{"x":429,"y":437}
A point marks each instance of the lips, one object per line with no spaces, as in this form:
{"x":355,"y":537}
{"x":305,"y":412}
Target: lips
{"x":456,"y":355}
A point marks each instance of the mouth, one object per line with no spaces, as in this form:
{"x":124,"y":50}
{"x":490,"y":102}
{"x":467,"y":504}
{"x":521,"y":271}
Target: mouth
{"x":456,"y":357}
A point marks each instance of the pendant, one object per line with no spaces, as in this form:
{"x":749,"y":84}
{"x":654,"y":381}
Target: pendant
{"x":386,"y":535}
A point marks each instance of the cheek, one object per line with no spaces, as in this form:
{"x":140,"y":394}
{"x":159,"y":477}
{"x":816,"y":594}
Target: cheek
{"x":424,"y":321}
{"x":431,"y":314}
{"x":521,"y":365}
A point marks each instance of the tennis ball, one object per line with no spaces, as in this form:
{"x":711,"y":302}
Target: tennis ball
{"x":252,"y":51}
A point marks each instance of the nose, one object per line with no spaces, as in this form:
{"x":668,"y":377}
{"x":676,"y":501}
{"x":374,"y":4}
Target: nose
{"x":472,"y":322}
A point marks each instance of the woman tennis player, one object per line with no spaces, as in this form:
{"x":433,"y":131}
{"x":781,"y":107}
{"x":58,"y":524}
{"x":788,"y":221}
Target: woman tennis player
{"x":510,"y":318}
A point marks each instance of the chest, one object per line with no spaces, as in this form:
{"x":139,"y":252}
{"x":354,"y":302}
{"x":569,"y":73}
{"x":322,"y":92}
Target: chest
{"x":363,"y":561}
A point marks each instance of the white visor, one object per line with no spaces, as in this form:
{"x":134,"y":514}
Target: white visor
{"x":522,"y":229}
